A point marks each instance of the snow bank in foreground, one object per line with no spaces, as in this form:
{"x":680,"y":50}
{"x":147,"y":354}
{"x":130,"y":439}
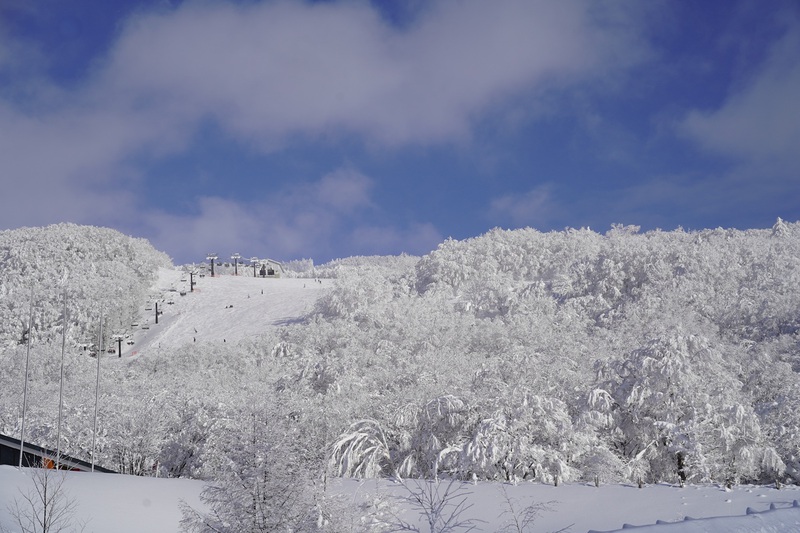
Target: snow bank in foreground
{"x":612,"y":507}
{"x":122,"y":504}
{"x":110,"y":502}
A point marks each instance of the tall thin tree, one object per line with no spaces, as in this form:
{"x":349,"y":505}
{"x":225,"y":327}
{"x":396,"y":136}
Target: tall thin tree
{"x":61,"y":381}
{"x":25,"y":387}
{"x":97,"y":388}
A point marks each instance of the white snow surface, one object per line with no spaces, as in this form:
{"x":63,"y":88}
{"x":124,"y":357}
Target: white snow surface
{"x":120,"y":504}
{"x":111,"y":503}
{"x":223,"y":308}
{"x":583,"y":507}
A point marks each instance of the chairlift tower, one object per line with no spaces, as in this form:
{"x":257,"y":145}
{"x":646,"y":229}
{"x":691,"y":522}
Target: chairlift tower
{"x":212,"y":258}
{"x":119,"y":338}
{"x":254,"y":262}
{"x":236,"y":258}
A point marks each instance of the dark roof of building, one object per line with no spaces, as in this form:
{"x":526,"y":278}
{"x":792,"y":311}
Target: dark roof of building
{"x":38,"y":451}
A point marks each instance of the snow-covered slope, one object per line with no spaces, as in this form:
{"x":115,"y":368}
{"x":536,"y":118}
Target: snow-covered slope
{"x":220,"y":309}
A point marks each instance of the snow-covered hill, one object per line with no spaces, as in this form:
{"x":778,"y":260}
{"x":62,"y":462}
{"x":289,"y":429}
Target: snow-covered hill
{"x":515,"y":357}
{"x":101,"y":271}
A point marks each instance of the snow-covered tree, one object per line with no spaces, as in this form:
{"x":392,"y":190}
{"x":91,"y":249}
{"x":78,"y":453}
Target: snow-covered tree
{"x":262,"y":483}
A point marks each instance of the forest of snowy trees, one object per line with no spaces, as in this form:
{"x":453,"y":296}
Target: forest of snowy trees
{"x":102,"y":271}
{"x":516,"y":355}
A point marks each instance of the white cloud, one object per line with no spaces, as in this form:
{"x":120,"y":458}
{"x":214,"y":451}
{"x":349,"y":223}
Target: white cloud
{"x":761,"y":120}
{"x":758,"y":129}
{"x":269,"y":70}
{"x":64,"y":167}
{"x":532,"y":208}
{"x":271,"y":74}
{"x":417,"y":239}
{"x":344,"y":190}
{"x":13,"y":55}
{"x":305,"y":220}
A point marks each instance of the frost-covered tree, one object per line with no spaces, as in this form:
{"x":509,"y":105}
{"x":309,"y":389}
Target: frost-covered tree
{"x":525,"y":437}
{"x":106,"y":273}
{"x":679,"y":408}
{"x":262,"y":482}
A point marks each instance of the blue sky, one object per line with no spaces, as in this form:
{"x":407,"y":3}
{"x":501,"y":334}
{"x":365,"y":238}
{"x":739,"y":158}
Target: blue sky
{"x":292,"y":129}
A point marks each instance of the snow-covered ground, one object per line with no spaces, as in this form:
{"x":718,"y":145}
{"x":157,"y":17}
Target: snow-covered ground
{"x":121,"y":504}
{"x":108,"y":503}
{"x":223,"y":308}
{"x":583,"y":507}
